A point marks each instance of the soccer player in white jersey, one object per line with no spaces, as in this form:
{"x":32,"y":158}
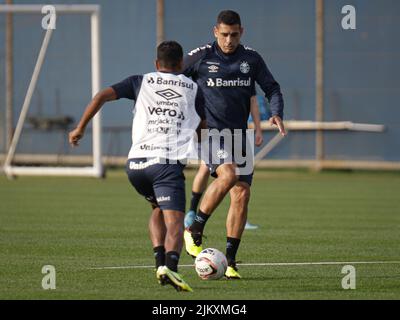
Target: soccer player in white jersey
{"x":168,"y":108}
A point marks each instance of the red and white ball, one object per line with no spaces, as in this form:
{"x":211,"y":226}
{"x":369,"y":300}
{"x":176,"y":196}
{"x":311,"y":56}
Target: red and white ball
{"x":211,"y":264}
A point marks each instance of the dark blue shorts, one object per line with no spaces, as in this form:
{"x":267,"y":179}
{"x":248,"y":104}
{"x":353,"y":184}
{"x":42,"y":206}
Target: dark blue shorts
{"x":222,"y":151}
{"x":162,"y":184}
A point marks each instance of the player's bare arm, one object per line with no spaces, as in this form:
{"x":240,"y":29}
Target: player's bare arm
{"x":107,"y":94}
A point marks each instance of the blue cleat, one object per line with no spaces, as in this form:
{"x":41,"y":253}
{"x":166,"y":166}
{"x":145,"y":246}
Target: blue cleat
{"x":189,"y":218}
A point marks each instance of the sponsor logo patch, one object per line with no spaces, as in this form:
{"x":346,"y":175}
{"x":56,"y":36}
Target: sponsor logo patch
{"x":222,"y":154}
{"x":244,"y":67}
{"x":162,"y":199}
{"x":213,"y":68}
{"x":219,"y":82}
{"x":198,"y":49}
{"x":168,"y":94}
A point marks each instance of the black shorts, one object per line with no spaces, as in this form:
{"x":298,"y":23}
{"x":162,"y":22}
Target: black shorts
{"x":226,"y":150}
{"x":162,"y":184}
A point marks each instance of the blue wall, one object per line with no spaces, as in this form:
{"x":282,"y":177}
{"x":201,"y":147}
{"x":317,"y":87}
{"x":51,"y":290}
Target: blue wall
{"x":361,"y":66}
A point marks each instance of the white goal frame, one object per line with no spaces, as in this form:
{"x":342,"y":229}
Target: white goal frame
{"x":97,"y":169}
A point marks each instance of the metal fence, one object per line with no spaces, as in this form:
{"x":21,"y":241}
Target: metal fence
{"x":360,"y":73}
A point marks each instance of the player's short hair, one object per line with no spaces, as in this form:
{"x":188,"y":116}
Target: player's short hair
{"x":169,"y":54}
{"x":229,"y":17}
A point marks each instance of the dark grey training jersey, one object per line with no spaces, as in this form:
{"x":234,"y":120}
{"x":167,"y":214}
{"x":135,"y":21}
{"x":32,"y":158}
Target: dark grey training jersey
{"x":228,"y":82}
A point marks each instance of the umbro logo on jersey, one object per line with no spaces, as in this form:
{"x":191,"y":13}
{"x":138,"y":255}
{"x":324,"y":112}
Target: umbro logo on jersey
{"x":168,"y":94}
{"x":213,"y":68}
{"x":219,"y":82}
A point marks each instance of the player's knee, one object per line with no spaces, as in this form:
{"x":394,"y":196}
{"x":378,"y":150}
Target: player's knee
{"x":228,"y":175}
{"x":174,"y":220}
{"x":156,"y":210}
{"x":176,"y":231}
{"x":203,"y":170}
{"x":241,"y":194}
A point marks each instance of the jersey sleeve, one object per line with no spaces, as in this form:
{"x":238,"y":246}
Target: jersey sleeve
{"x":192,"y":60}
{"x":128,"y":88}
{"x":199,"y":104}
{"x":253,"y":90}
{"x":271,"y":88}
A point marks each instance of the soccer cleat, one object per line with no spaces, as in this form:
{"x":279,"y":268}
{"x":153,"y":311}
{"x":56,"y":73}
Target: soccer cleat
{"x":159,"y":273}
{"x":192,"y":243}
{"x":189,"y":218}
{"x":232,"y":273}
{"x":167,"y":276}
{"x":250,"y":226}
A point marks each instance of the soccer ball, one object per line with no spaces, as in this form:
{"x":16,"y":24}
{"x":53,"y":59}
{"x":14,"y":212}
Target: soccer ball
{"x":211,"y":264}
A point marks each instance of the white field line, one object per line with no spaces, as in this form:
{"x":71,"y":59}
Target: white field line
{"x":274,"y":264}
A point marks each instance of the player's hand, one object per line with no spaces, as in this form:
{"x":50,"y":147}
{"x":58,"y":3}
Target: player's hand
{"x":74,"y":136}
{"x":277,"y":121}
{"x":259,"y":138}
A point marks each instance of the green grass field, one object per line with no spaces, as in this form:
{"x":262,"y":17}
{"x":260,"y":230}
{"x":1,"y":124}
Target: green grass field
{"x":77,"y":224}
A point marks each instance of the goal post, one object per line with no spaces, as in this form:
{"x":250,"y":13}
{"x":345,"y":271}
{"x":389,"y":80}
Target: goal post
{"x":97,"y":169}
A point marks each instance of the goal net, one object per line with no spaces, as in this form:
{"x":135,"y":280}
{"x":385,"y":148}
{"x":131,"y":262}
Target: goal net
{"x":51,"y":88}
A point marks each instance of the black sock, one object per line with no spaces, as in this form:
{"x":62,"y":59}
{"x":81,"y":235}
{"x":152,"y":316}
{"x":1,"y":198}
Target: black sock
{"x":172,"y":260}
{"x":199,"y":222}
{"x":159,"y":255}
{"x":195,"y":200}
{"x":232,"y":246}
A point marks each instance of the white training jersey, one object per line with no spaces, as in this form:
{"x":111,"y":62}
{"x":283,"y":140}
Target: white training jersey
{"x":167,"y":113}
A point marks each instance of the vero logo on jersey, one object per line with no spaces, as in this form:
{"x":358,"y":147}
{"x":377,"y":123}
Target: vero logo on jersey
{"x":219,"y":82}
{"x":166,"y":112}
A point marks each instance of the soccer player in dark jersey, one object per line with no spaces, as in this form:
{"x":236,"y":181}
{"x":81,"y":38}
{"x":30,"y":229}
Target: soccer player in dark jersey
{"x":168,"y":107}
{"x":227,"y":71}
{"x":200,"y":181}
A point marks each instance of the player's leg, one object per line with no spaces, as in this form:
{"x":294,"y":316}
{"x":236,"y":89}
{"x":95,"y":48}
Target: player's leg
{"x":157,"y":232}
{"x":215,"y":193}
{"x":169,"y":190}
{"x":235,"y":223}
{"x":237,"y":214}
{"x":199,"y":185}
{"x":217,"y":190}
{"x":139,"y":179}
{"x":173,"y":237}
{"x":168,"y":274}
